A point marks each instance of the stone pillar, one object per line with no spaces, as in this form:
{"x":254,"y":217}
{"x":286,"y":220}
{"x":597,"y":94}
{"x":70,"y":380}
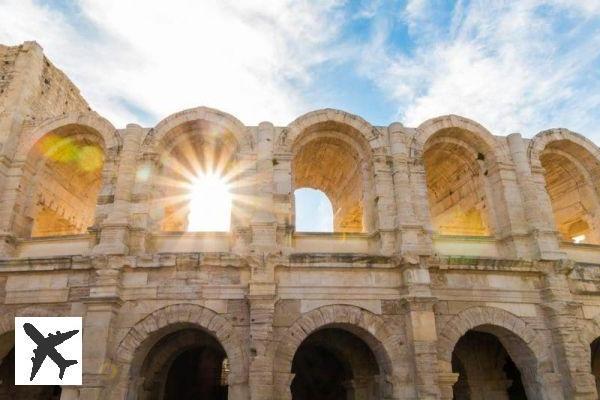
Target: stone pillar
{"x":262,"y":288}
{"x":283,"y":198}
{"x":114,"y":233}
{"x":264,"y":223}
{"x":151,"y":212}
{"x":13,"y":206}
{"x":410,"y":230}
{"x":561,"y":312}
{"x":102,"y":306}
{"x":536,"y":212}
{"x":386,"y":205}
{"x":421,"y":333}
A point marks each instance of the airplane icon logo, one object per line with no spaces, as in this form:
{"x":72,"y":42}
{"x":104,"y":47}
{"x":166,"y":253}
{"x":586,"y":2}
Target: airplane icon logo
{"x":48,"y":350}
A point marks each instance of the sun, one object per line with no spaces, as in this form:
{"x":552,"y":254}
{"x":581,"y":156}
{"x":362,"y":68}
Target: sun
{"x":210,"y":204}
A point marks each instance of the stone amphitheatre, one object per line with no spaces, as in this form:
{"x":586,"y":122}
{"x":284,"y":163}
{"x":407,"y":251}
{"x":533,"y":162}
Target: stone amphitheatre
{"x":462,"y":264}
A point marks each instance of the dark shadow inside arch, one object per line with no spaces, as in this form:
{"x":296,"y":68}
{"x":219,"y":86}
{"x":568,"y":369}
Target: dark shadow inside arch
{"x":186,"y":364}
{"x":8,"y":389}
{"x":486,"y":370}
{"x":334,"y":364}
{"x":595,"y":360}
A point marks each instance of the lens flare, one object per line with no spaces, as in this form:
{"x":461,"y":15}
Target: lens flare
{"x":210,"y":204}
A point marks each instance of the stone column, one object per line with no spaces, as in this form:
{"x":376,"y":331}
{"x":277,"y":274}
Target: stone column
{"x":410,"y":230}
{"x":283,"y":198}
{"x":561,"y":312}
{"x":150,"y":210}
{"x":536,"y":211}
{"x":264,"y":223}
{"x":102,"y":306}
{"x":114,"y":231}
{"x":421,"y":333}
{"x":14,"y":204}
{"x":262,"y":288}
{"x":386,"y":205}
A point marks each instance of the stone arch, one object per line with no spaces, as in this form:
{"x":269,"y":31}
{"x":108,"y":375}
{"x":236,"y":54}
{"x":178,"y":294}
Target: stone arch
{"x":141,"y":337}
{"x":570,"y":165}
{"x":335,"y":152}
{"x":461,"y":158}
{"x":156,"y":136}
{"x":523,"y":344}
{"x":478,"y":137}
{"x":48,"y":205}
{"x":108,"y":133}
{"x":372,"y":138}
{"x":478,"y":316}
{"x":173,"y":152}
{"x":541,"y":140}
{"x":384,"y":342}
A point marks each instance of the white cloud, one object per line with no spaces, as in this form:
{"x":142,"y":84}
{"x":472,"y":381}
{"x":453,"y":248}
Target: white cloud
{"x":241,"y":57}
{"x":512,"y":66}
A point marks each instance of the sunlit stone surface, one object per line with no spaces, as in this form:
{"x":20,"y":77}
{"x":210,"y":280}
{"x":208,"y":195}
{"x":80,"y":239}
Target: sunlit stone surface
{"x":461,"y":265}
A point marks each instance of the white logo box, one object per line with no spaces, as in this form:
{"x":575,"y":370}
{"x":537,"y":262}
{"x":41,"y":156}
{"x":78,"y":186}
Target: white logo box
{"x":48,"y":331}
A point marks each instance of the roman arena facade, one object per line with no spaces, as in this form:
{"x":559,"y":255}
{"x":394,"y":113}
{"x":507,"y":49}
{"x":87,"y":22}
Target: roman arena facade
{"x":463,"y":264}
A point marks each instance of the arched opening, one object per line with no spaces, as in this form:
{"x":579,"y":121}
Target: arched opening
{"x":61,"y":181}
{"x":570,"y":186}
{"x":197,"y":174}
{"x":334,"y":364}
{"x":8,"y":389}
{"x":486,"y":370}
{"x":595,"y":352}
{"x":332,"y":158}
{"x":455,"y":173}
{"x":314,"y":212}
{"x":187,"y":364}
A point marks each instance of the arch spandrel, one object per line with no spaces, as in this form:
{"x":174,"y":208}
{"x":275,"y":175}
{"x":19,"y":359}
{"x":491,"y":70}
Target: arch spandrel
{"x":154,"y":139}
{"x":111,"y":139}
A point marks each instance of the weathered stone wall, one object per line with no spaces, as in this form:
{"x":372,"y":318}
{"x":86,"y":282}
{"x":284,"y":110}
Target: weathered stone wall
{"x":427,"y":305}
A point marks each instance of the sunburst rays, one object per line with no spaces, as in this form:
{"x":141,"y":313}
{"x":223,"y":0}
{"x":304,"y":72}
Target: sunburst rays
{"x":201,"y":177}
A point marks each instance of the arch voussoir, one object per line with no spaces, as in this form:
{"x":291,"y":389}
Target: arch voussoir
{"x":149,"y":328}
{"x":474,"y":317}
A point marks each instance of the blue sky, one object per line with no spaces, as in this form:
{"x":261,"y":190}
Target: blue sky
{"x":514,"y":66}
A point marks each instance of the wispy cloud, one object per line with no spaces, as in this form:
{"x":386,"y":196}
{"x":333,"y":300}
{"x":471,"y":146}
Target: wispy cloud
{"x":137,"y":62}
{"x":513,"y":66}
